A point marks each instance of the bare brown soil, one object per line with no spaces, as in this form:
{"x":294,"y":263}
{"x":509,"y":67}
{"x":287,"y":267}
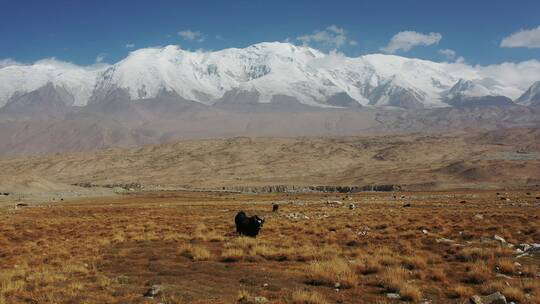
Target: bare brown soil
{"x":111,"y":250}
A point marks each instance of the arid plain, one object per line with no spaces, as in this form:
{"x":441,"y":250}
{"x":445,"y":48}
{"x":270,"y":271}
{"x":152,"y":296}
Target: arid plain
{"x":110,"y":225}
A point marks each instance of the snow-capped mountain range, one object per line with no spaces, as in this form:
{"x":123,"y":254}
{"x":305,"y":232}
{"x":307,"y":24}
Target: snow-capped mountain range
{"x":531,"y":96}
{"x":262,"y":73}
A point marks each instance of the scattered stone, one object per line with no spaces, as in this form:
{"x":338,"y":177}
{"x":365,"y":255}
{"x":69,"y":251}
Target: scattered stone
{"x":392,"y":295}
{"x":265,"y":285}
{"x":499,"y":238}
{"x":444,"y":240}
{"x":260,"y":300}
{"x":528,"y":250}
{"x":334,"y":203}
{"x":362,"y":233}
{"x":153,"y":291}
{"x":500,"y":275}
{"x":486,"y":239}
{"x":352,"y":206}
{"x":337,"y":285}
{"x":479,"y":217}
{"x":253,"y":300}
{"x":424,"y":231}
{"x":494,"y":298}
{"x":297,"y":216}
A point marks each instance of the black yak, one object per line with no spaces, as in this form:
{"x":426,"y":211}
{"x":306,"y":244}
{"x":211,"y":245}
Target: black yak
{"x":275,"y":207}
{"x":248,"y":225}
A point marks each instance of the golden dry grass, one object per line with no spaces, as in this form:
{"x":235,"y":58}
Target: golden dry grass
{"x":368,"y":266}
{"x":478,"y":273}
{"x":514,"y":294}
{"x":394,"y":278}
{"x":410,"y":292}
{"x":438,"y":275}
{"x":196,"y":253}
{"x":416,"y":262}
{"x":530,"y":270}
{"x":507,"y":266}
{"x":460,"y":291}
{"x":232,"y":255}
{"x":474,"y":254}
{"x":307,"y":297}
{"x":331,"y":272}
{"x":112,"y":250}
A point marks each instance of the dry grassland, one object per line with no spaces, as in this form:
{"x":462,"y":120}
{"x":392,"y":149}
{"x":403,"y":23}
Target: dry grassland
{"x":112,"y":250}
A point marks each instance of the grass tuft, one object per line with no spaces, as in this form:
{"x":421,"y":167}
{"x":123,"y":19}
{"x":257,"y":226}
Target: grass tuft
{"x":330,"y":272}
{"x":308,"y":297}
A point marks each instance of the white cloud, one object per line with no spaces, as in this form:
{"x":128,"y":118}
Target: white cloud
{"x":523,"y":38}
{"x":521,"y":74}
{"x":406,"y":40}
{"x":100,"y":58}
{"x":55,"y":63}
{"x":460,"y":59}
{"x":8,"y":62}
{"x":448,"y":53}
{"x":333,"y":36}
{"x":330,"y":61}
{"x":130,"y":45}
{"x":192,"y":35}
{"x":516,"y":76}
{"x":335,"y":29}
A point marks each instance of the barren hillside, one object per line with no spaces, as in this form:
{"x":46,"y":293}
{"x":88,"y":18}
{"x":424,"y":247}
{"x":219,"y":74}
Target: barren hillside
{"x":502,"y":158}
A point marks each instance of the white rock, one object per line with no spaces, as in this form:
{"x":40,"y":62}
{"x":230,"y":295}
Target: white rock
{"x":392,"y":295}
{"x":499,"y":238}
{"x":444,"y":240}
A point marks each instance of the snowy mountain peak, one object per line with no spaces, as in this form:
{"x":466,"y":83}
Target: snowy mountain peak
{"x":467,"y":88}
{"x":20,"y":79}
{"x":475,"y":93}
{"x":531,"y":96}
{"x":270,"y":69}
{"x":397,"y":92}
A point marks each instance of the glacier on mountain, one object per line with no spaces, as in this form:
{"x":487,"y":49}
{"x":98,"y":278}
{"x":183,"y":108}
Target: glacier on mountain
{"x":261,"y":72}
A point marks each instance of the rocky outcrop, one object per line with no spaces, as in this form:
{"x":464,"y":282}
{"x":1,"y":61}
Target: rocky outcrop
{"x":299,"y":189}
{"x":494,"y":298}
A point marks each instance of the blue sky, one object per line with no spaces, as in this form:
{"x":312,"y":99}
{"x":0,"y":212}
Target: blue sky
{"x":82,"y":31}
